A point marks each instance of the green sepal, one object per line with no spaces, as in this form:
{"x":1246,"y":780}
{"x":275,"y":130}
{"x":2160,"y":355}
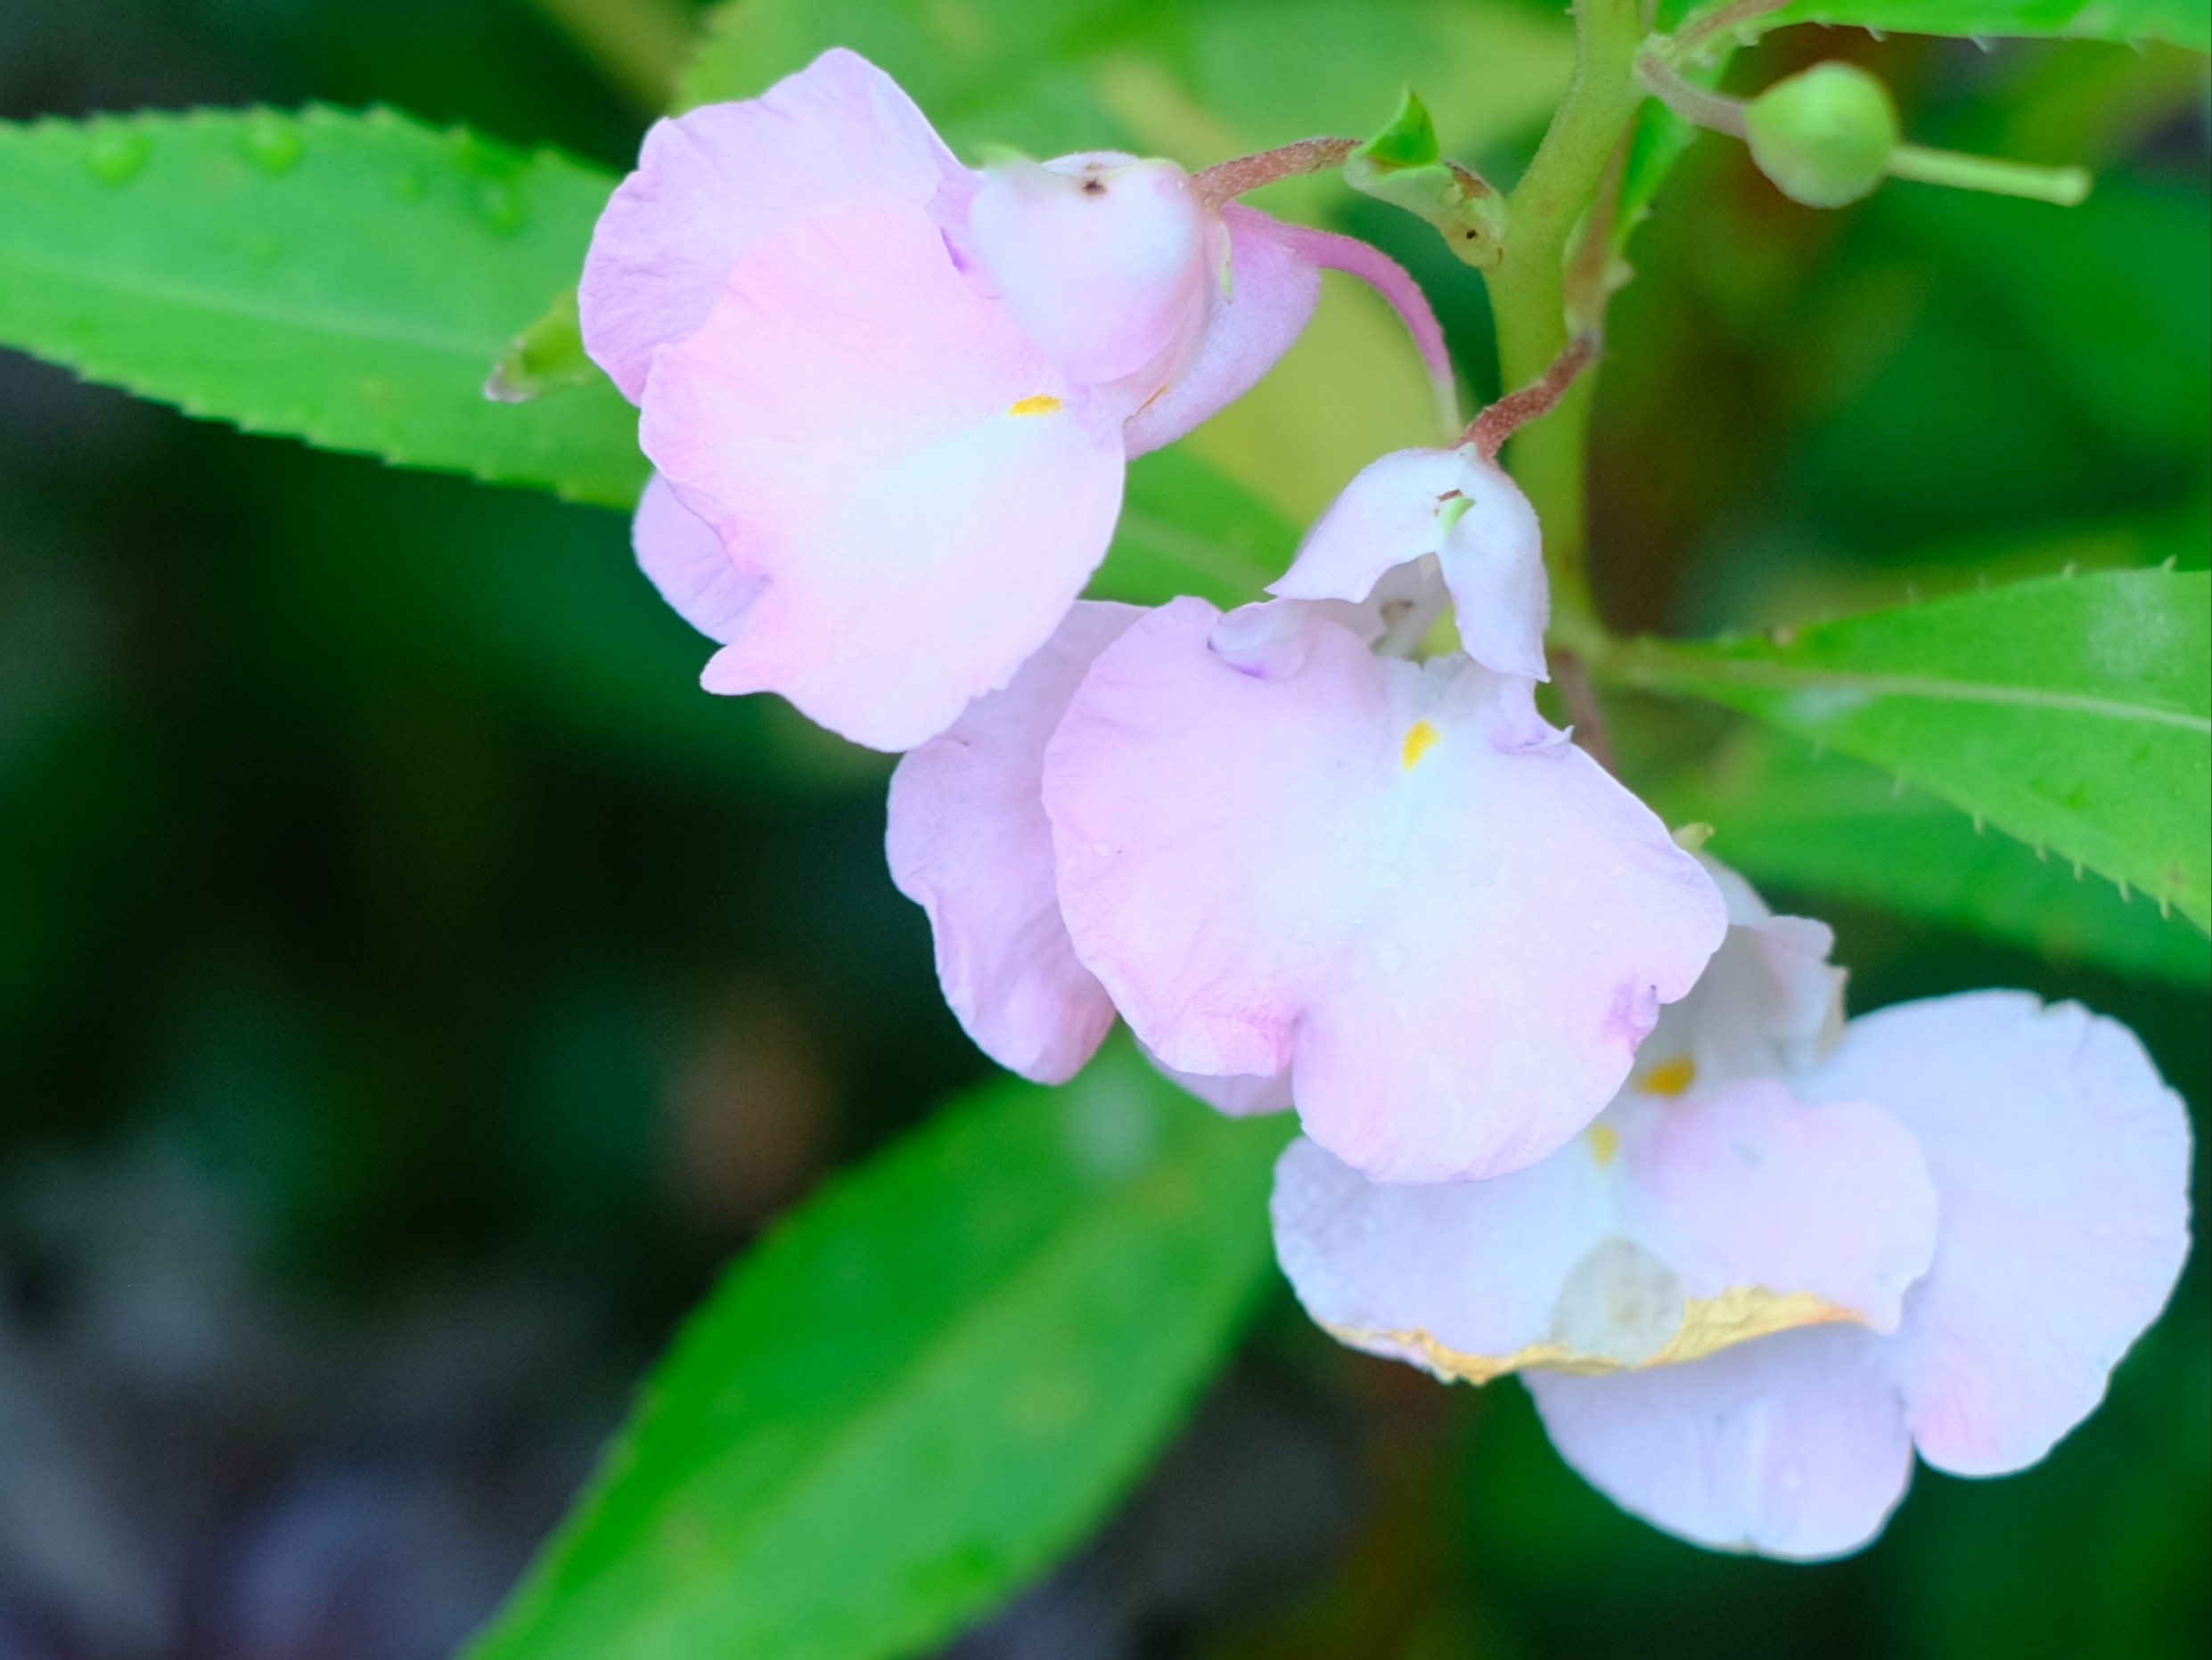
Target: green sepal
{"x":1401,"y":165}
{"x":547,"y":356}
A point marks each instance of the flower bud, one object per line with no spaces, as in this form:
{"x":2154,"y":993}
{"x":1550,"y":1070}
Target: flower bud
{"x":1824,"y":136}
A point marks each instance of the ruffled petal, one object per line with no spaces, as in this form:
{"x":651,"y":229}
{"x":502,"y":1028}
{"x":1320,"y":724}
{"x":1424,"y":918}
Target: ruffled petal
{"x":708,"y":183}
{"x":1102,"y":259}
{"x":686,"y":559}
{"x":1462,"y":1278}
{"x":1794,"y":1445}
{"x":1454,"y":925}
{"x":1465,"y":511}
{"x":913,"y":485}
{"x":1747,"y":1188}
{"x":969,"y":842}
{"x":1234,"y":1097}
{"x":1670,"y":1230}
{"x":1769,"y":1002}
{"x":2062,"y":1161}
{"x":1270,"y":295}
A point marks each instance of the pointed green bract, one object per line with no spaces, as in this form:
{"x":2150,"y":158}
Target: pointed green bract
{"x":345,"y":279}
{"x":2074,"y":713}
{"x":921,"y":1387}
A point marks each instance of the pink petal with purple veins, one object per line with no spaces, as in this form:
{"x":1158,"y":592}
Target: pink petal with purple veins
{"x":711,"y":182}
{"x":917,"y":489}
{"x":969,"y":842}
{"x":2062,"y":1160}
{"x":1453,"y":924}
{"x":1791,"y":1445}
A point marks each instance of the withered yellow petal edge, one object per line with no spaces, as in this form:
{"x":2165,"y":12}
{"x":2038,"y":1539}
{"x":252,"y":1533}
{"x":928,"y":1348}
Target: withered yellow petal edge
{"x":1709,"y":1324}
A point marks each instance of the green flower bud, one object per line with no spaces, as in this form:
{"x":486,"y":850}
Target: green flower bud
{"x":1824,"y":136}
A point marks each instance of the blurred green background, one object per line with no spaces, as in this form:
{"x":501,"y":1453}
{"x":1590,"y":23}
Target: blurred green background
{"x":412,"y":986}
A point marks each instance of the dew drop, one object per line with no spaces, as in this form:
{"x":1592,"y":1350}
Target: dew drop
{"x":117,"y":152}
{"x":273,"y":143}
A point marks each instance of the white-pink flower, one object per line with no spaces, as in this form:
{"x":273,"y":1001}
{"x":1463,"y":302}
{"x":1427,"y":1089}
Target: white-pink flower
{"x":1790,"y":1252}
{"x":1303,"y":867}
{"x":889,"y":398}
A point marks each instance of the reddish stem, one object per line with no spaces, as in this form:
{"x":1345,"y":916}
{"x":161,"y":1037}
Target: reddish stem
{"x":1489,"y":431}
{"x":1225,"y":180}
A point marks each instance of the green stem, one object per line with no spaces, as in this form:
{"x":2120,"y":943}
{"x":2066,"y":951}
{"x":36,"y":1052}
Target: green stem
{"x":1527,"y":288}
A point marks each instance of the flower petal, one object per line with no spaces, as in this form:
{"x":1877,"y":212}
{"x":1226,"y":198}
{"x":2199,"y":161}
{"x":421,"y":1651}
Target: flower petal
{"x":1768,"y":1004}
{"x":1271,"y":293}
{"x":969,"y":842}
{"x":2062,"y":1162}
{"x":1235,"y":1096}
{"x":686,"y":559}
{"x":709,"y":181}
{"x":915,"y":486}
{"x":1455,"y":924}
{"x":1793,"y":1445}
{"x":1463,"y":509}
{"x":1100,"y":259}
{"x":1745,"y":1186}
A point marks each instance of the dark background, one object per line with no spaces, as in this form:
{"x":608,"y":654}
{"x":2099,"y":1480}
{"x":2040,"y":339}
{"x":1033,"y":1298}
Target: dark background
{"x":412,"y":988}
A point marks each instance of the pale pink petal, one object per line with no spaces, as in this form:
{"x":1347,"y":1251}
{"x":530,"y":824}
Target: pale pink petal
{"x":1358,"y":868}
{"x":1238,"y":1096}
{"x":1493,"y":561}
{"x":916,"y":488}
{"x":708,"y":183}
{"x":1791,"y":1445}
{"x":1389,"y":515}
{"x":1475,"y":1269}
{"x":1468,"y":514}
{"x":969,"y":842}
{"x":2062,"y":1162}
{"x":687,"y":563}
{"x":1271,"y":292}
{"x":1389,"y":279}
{"x":1745,"y":1186}
{"x":1102,"y":259}
{"x":1768,"y":1004}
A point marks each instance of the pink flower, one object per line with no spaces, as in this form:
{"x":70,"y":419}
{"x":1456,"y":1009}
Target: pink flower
{"x":1303,"y":868}
{"x":889,"y":398}
{"x":1780,"y":1261}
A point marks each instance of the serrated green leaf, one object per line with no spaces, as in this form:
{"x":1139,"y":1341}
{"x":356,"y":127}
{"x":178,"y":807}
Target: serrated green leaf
{"x":1813,"y":822}
{"x":2182,"y":22}
{"x":2073,"y":713}
{"x":345,"y":279}
{"x":1186,"y":528}
{"x":921,"y":1388}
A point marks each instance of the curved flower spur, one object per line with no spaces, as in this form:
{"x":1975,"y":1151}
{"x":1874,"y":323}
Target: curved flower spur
{"x":1791,"y":1252}
{"x":889,"y":398}
{"x":1304,"y":866}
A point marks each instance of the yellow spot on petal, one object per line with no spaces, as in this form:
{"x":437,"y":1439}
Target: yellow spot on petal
{"x":1040,"y":404}
{"x":1671,"y":1077}
{"x":1709,"y":1324}
{"x":1604,"y":1142}
{"x":1419,"y":737}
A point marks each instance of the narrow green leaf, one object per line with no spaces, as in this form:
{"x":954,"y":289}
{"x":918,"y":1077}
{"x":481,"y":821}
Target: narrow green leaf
{"x":2074,"y":713}
{"x":345,"y":279}
{"x":1811,"y":822}
{"x":2182,"y":22}
{"x":1187,"y":528}
{"x":921,"y":1388}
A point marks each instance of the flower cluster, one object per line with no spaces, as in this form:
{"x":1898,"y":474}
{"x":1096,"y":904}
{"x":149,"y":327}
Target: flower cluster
{"x":1574,"y":1104}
